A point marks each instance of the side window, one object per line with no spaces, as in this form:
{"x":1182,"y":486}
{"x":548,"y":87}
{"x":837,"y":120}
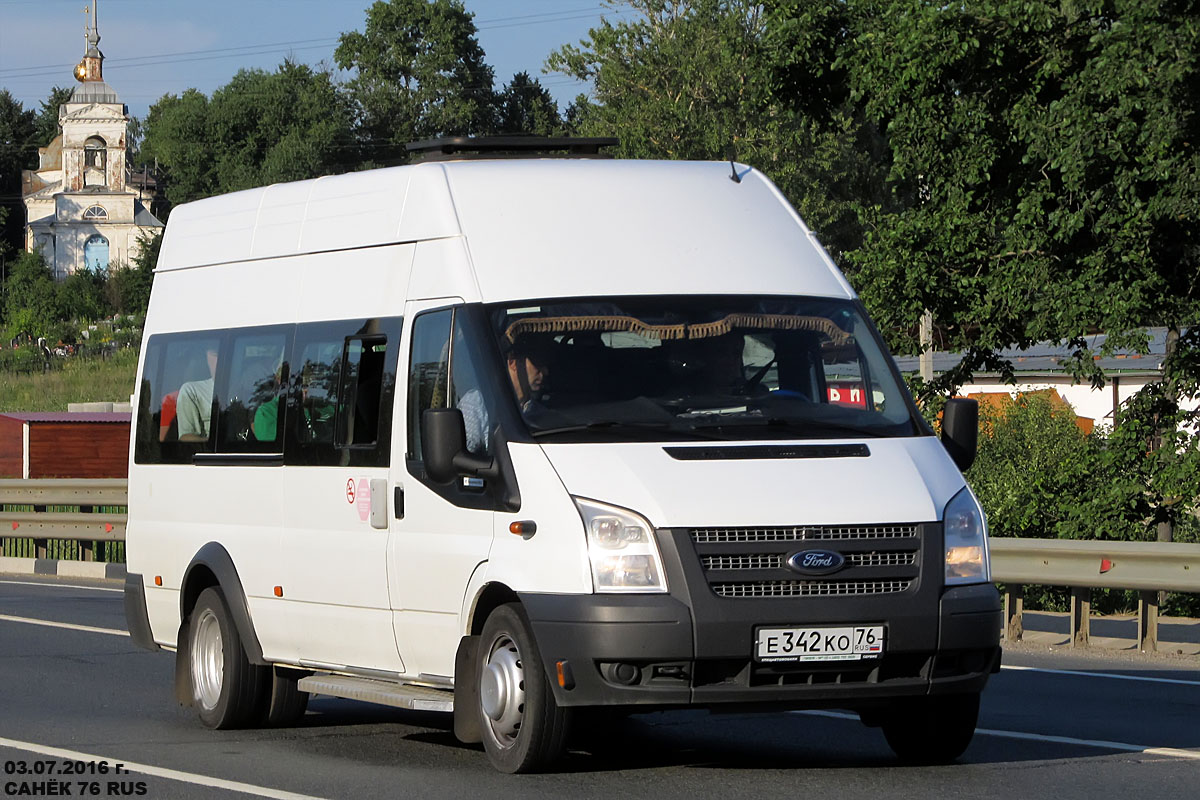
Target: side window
{"x":362,"y":381}
{"x":339,"y":398}
{"x":468,"y":396}
{"x":175,"y":410}
{"x":429,"y":372}
{"x":249,"y":400}
{"x":443,"y":375}
{"x":316,"y":368}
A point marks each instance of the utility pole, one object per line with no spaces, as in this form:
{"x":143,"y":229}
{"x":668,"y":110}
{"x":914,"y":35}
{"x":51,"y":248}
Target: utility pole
{"x":1166,"y":529}
{"x":926,"y":337}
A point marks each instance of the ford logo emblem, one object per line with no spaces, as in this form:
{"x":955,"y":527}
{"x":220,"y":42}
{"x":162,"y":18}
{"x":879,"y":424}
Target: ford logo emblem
{"x":816,"y":562}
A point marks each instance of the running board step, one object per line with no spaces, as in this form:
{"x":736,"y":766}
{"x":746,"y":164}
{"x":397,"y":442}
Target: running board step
{"x":397,"y":695}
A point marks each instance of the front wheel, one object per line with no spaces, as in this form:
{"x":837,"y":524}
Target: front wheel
{"x":523,"y":728}
{"x":226,"y":688}
{"x":932,"y":730}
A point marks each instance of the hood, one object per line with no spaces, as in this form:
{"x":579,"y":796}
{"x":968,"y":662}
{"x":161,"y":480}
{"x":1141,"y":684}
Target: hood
{"x":713,"y":484}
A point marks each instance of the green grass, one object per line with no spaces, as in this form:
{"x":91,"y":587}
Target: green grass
{"x":79,"y":381}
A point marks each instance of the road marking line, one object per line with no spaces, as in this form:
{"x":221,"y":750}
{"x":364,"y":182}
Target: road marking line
{"x":63,"y":586}
{"x":157,"y":772}
{"x":1172,"y":752}
{"x":69,"y":626}
{"x":1114,"y":676}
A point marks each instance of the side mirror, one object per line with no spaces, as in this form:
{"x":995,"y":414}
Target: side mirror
{"x":444,"y":447}
{"x":960,"y":431}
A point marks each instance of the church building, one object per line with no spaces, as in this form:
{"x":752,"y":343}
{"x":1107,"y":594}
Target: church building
{"x":81,"y":212}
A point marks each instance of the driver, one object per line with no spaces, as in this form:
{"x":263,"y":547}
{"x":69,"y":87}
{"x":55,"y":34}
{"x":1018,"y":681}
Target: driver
{"x":527,"y":362}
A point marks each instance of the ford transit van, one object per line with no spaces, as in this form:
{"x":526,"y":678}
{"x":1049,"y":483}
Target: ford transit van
{"x":525,"y":439}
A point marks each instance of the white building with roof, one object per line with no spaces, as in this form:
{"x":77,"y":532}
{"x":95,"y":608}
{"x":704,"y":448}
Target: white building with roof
{"x":80,"y":211}
{"x":1043,"y":367}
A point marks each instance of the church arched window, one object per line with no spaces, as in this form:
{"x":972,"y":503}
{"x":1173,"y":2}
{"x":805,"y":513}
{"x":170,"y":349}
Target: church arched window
{"x":95,"y":253}
{"x":95,"y":153}
{"x":96,"y":213}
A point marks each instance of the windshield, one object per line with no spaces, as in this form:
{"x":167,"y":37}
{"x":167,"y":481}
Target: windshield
{"x":699,"y":367}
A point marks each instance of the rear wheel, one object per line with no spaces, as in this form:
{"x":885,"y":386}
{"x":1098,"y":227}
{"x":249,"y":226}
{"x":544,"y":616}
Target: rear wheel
{"x":226,"y":687}
{"x":932,"y":730}
{"x":523,"y":728}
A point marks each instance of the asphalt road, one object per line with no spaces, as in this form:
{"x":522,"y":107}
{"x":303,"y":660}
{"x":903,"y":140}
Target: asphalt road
{"x":1051,"y":726}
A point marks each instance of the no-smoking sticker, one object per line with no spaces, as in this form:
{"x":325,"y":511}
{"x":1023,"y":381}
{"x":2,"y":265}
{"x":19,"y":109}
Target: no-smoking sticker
{"x":364,"y":499}
{"x":358,"y":493}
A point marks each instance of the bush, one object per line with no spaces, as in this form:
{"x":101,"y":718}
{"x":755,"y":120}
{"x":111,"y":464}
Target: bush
{"x":28,"y":359}
{"x":1033,"y":463}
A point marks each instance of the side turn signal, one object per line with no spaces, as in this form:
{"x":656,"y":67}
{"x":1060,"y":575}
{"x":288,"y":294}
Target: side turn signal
{"x":524,"y":528}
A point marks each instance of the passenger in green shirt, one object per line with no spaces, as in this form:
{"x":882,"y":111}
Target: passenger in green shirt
{"x":317,"y":424}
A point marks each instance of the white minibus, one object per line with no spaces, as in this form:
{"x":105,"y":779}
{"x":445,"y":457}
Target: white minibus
{"x":542,"y":441}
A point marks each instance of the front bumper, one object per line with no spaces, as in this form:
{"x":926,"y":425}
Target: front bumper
{"x":693,"y":648}
{"x":639,"y":650}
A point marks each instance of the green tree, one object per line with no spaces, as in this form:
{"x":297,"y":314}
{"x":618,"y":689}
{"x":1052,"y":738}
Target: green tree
{"x":30,"y":296}
{"x":525,"y":106}
{"x":80,"y":297}
{"x":128,"y":288}
{"x":419,"y":73}
{"x":288,"y":125}
{"x":17,"y":152}
{"x":260,"y":128}
{"x":46,"y":127}
{"x":1043,"y":171}
{"x":686,"y":79}
{"x":1045,"y":183}
{"x":1148,"y":472}
{"x":177,"y":136}
{"x":712,"y":79}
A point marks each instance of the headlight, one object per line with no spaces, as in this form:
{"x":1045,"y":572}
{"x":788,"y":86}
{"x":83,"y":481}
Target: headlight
{"x":965,"y":529}
{"x":622,"y":549}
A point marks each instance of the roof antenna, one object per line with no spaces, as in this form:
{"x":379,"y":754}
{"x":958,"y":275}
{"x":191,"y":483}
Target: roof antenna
{"x":733,"y":175}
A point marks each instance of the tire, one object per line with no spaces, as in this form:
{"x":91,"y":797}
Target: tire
{"x":283,"y":703}
{"x":932,"y":730}
{"x":522,"y":727}
{"x":227,"y":689}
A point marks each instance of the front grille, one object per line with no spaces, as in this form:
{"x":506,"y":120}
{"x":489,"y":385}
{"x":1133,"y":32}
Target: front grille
{"x":808,"y":588}
{"x":752,"y":562}
{"x":773,"y":561}
{"x":801,"y":534}
{"x":881,"y":559}
{"x":742,"y":562}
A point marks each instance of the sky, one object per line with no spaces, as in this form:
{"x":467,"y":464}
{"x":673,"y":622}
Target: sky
{"x":156,"y":47}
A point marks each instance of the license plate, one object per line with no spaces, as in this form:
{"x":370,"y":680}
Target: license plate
{"x":849,"y":643}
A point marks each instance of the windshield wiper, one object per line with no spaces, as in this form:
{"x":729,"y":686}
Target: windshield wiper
{"x":622,"y":425}
{"x":798,"y":426}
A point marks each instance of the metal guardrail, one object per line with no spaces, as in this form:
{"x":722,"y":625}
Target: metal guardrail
{"x":1145,"y":567}
{"x":87,"y":526}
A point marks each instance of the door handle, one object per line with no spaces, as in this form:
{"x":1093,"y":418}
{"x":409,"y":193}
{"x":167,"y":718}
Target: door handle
{"x":379,"y":503}
{"x":398,"y":501}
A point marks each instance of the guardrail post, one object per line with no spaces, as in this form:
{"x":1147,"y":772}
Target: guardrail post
{"x":87,"y":551}
{"x":1014,"y":608}
{"x":1081,"y":616}
{"x":1147,"y":621}
{"x":40,"y":548}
